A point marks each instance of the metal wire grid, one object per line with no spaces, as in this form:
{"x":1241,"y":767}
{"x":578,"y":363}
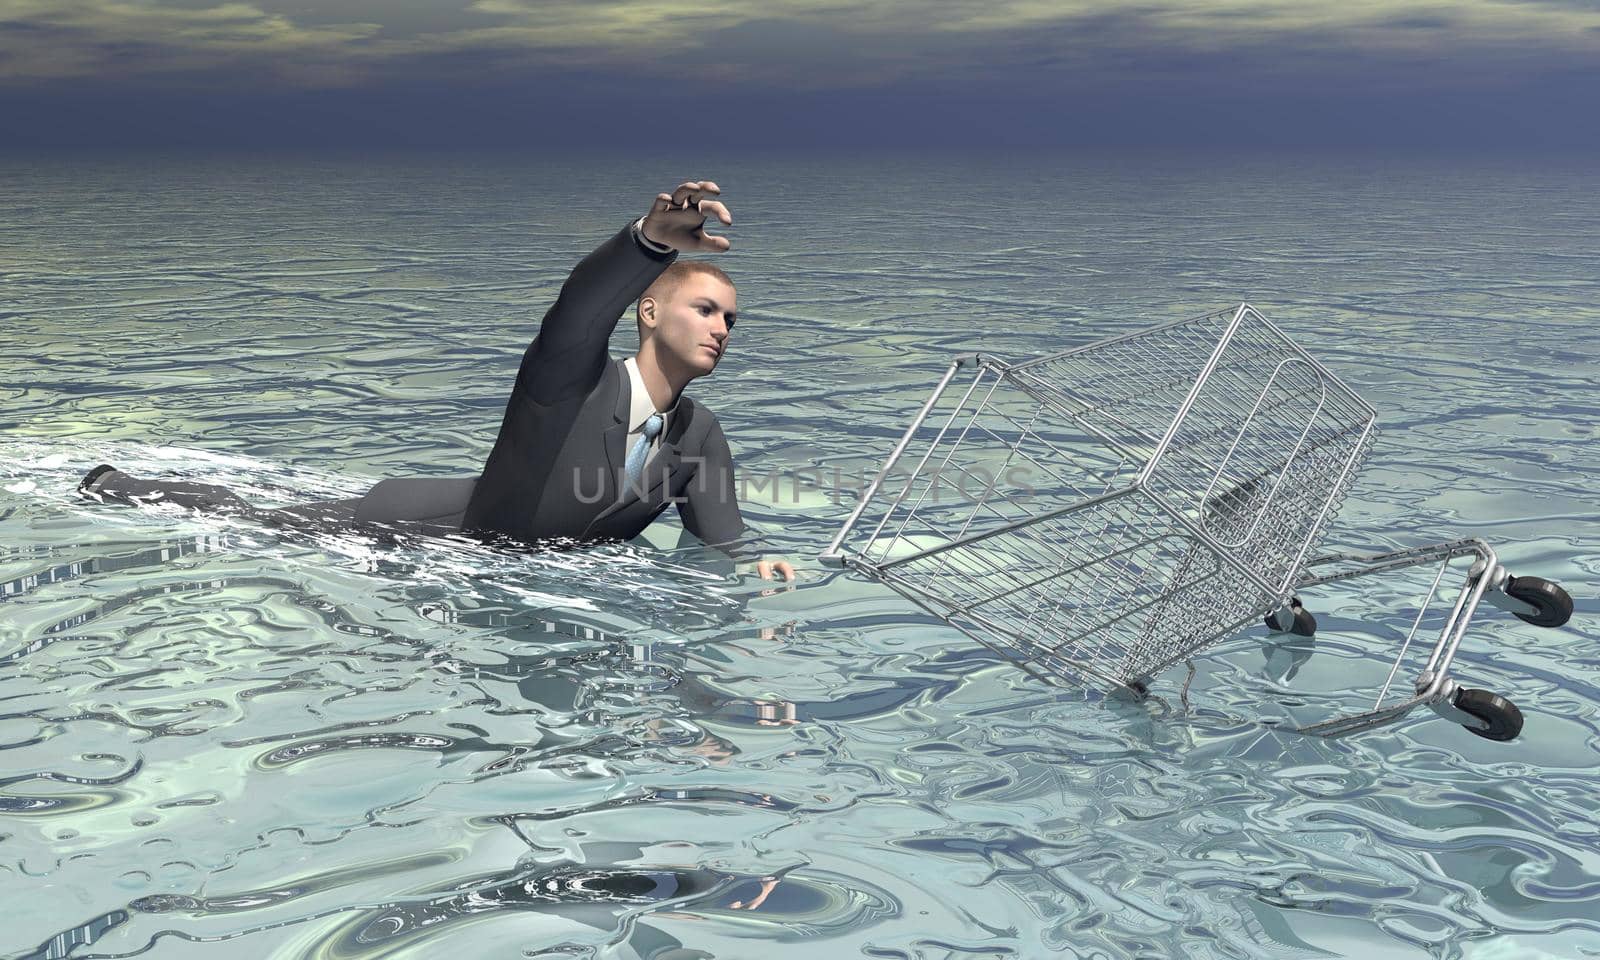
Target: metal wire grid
{"x":1017,"y":464}
{"x":1063,"y":594}
{"x":1265,"y":411}
{"x":1088,"y":573}
{"x":996,"y":458}
{"x":1065,"y":591}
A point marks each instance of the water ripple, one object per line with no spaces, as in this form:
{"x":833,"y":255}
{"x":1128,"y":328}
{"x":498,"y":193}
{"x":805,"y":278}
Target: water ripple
{"x":214,"y":736}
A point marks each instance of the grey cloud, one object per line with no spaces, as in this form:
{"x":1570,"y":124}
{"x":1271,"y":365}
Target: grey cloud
{"x":814,"y":44}
{"x":1419,"y":23}
{"x":516,"y":72}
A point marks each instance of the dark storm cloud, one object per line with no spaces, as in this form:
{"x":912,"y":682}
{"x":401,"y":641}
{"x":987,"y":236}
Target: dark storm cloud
{"x":508,"y":70}
{"x":1418,"y":23}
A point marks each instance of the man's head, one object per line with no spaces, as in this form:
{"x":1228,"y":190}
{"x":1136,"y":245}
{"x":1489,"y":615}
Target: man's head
{"x":685,"y":317}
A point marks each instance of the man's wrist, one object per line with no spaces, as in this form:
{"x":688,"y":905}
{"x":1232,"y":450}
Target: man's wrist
{"x":646,"y":242}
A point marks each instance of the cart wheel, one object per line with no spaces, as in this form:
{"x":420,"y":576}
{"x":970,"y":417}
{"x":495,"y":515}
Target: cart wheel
{"x":1555,"y":605}
{"x":1304,"y":625}
{"x":1503,"y":717}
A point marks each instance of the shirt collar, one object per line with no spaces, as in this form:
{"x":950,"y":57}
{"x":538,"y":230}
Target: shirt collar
{"x":639,"y":405}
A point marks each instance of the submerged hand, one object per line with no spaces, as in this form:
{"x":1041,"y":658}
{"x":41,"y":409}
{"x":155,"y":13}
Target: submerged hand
{"x":677,"y":219}
{"x":767,"y":568}
{"x":767,"y":883}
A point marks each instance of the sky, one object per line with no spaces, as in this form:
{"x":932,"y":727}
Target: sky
{"x":1479,"y":75}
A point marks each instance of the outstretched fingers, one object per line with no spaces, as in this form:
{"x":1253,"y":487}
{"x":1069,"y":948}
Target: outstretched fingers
{"x":716,"y":207}
{"x":690,"y":192}
{"x":678,"y":218}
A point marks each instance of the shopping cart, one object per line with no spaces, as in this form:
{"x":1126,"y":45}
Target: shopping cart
{"x":1101,"y":514}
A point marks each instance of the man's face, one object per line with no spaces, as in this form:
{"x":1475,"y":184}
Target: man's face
{"x":692,"y":328}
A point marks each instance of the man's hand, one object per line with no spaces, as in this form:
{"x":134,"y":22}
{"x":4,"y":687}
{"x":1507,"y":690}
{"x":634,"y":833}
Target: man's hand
{"x":767,"y":567}
{"x":677,"y":219}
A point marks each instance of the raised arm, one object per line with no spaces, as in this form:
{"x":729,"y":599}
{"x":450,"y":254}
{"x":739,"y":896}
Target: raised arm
{"x":569,"y":353}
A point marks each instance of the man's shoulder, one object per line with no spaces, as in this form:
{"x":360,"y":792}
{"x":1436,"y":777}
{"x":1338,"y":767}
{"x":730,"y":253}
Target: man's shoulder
{"x":701,"y":421}
{"x":699,"y":415}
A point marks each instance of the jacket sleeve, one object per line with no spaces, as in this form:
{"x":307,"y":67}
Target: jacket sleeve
{"x":568,"y":355}
{"x":709,"y":508}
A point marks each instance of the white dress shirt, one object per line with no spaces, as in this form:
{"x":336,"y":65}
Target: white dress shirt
{"x":639,"y":409}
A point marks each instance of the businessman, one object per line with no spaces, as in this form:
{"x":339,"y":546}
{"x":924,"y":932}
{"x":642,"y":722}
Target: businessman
{"x":590,"y":447}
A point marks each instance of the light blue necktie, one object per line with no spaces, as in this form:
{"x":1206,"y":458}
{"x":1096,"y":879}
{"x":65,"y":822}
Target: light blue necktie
{"x":635,"y":464}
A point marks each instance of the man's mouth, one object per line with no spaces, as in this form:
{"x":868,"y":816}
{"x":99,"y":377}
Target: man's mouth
{"x":713,"y":348}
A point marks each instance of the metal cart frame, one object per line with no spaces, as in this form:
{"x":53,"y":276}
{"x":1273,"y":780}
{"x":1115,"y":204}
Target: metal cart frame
{"x":1190,"y":469}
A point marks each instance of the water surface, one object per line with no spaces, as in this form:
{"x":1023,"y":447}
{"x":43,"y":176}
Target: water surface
{"x":216,"y":737}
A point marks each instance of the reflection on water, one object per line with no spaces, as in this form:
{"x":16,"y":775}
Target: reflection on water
{"x":579,"y":682}
{"x":281,"y":743}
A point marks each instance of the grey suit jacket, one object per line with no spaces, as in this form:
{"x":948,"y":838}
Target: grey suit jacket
{"x":556,"y":470}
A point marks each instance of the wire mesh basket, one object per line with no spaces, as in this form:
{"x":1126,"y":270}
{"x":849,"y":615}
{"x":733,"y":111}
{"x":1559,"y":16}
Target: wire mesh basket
{"x":1105,"y":512}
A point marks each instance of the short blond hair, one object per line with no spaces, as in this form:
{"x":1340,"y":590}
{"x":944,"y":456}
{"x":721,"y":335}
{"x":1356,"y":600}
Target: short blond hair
{"x":666,"y":286}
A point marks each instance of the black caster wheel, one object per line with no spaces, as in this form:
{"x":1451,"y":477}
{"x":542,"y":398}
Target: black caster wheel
{"x":1139,"y":688}
{"x":1554,"y":604}
{"x":1503,"y":717}
{"x":1304,"y":624}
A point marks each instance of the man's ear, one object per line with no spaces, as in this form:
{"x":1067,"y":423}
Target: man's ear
{"x":647,"y":313}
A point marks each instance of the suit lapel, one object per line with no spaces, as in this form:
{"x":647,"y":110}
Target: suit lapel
{"x":616,"y":434}
{"x":615,"y":439}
